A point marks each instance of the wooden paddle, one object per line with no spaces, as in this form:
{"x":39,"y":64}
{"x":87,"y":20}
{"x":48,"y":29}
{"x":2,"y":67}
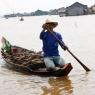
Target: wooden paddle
{"x":61,"y":44}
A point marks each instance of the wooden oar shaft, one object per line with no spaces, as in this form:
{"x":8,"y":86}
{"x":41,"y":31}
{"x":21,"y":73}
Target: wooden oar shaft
{"x":61,"y":44}
{"x":86,"y":68}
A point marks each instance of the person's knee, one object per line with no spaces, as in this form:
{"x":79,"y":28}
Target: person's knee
{"x":61,"y":62}
{"x":50,"y":67}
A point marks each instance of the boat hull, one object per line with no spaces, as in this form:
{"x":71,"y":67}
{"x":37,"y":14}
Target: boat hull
{"x":14,"y":63}
{"x":41,"y":71}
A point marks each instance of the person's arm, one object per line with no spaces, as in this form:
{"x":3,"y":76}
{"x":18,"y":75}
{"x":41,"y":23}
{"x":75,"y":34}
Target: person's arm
{"x":42,"y":32}
{"x":63,"y":45}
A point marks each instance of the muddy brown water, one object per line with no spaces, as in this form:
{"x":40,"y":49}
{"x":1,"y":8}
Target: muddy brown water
{"x":79,"y":35}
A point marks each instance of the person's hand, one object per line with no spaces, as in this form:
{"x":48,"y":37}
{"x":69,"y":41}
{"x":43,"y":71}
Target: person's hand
{"x":46,"y":27}
{"x":64,"y":47}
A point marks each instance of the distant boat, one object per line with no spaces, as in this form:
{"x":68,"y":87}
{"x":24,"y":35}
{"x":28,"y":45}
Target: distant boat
{"x":21,"y":19}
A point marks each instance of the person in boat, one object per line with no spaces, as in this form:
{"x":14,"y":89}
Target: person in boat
{"x":50,"y":46}
{"x":21,"y":19}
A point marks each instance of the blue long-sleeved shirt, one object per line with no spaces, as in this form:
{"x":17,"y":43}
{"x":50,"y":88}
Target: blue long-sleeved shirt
{"x":50,"y":44}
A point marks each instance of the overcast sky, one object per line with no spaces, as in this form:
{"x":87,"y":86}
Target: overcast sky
{"x":10,"y":6}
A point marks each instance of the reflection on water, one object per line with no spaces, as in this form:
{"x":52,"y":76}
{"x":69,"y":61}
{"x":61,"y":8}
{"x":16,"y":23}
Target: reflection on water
{"x":58,"y":86}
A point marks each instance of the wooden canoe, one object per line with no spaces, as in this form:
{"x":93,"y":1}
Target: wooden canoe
{"x":24,"y":60}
